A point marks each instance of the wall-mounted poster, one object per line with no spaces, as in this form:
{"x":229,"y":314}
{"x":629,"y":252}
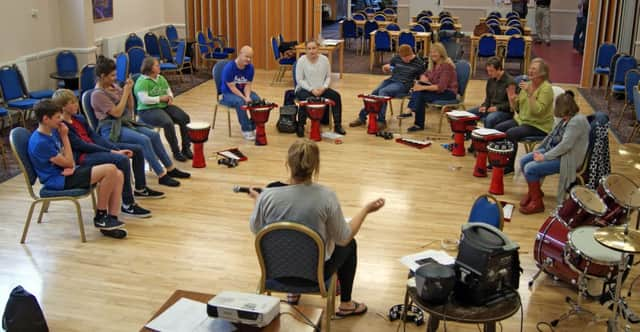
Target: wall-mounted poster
{"x":102,"y":10}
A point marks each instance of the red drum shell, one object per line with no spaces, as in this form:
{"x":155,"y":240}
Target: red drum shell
{"x":619,"y":194}
{"x":580,"y":242}
{"x":498,"y":157}
{"x":582,"y":207}
{"x":260,"y":115}
{"x":198,"y":131}
{"x":316,"y":111}
{"x":549,"y":246}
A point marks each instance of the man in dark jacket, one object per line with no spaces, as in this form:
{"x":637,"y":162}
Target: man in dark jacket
{"x":495,"y":108}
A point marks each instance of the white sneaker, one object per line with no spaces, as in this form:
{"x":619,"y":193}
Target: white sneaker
{"x":248,"y":135}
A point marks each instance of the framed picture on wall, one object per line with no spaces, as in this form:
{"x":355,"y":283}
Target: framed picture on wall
{"x":102,"y":10}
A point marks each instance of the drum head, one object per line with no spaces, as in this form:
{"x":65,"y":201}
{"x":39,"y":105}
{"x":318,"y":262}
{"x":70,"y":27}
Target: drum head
{"x":623,"y":190}
{"x":198,"y":125}
{"x":588,"y":200}
{"x":582,"y":241}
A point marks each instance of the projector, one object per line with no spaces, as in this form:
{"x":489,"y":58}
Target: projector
{"x":245,"y":308}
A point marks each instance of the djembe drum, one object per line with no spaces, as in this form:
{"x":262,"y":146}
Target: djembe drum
{"x":479,"y":139}
{"x":259,"y":111}
{"x":198,"y":133}
{"x":315,"y":108}
{"x":373,"y":105}
{"x":460,"y":125}
{"x":500,"y":153}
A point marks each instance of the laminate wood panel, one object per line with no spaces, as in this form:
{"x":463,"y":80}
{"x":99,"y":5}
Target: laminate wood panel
{"x":206,"y":17}
{"x":227,"y":20}
{"x":215,"y":18}
{"x":259,"y":37}
{"x":290,"y":24}
{"x":198,"y":17}
{"x":191,"y":31}
{"x":274,"y":28}
{"x":243,"y":22}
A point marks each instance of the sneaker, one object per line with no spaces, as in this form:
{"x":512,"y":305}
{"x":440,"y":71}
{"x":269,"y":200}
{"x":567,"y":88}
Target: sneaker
{"x":249,"y":135}
{"x":168,"y":181}
{"x":136,"y":211}
{"x":187,"y":153}
{"x":176,"y":173}
{"x":119,"y":233}
{"x":147,"y":192}
{"x":107,"y":223}
{"x":356,"y":123}
{"x":339,"y":130}
{"x":405,"y":115}
{"x":178,"y":156}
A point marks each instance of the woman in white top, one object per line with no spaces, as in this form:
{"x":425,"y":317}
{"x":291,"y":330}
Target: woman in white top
{"x":313,"y":77}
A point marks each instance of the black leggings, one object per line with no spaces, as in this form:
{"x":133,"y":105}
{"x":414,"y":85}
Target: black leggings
{"x":166,"y":118}
{"x":344,"y":261}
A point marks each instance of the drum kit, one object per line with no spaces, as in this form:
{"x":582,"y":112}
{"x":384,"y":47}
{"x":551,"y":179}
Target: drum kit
{"x":586,"y":241}
{"x":373,"y":106}
{"x":259,"y":111}
{"x":315,"y":108}
{"x":461,"y":122}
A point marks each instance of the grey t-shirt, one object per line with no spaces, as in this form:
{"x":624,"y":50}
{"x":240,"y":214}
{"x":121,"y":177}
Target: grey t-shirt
{"x":312,"y":205}
{"x":406,"y":73}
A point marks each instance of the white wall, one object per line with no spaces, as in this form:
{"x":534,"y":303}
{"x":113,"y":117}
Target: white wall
{"x":131,"y":15}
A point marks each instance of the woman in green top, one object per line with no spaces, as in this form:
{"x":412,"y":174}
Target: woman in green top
{"x":533,"y":108}
{"x":155,"y":107}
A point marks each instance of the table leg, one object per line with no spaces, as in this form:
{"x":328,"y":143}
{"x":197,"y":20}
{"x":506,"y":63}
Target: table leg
{"x":472,"y":57}
{"x":371,"y":53}
{"x":527,"y":56}
{"x":426,"y":48}
{"x":330,"y":56}
{"x":403,"y":316}
{"x":490,"y":327}
{"x":341,"y":57}
{"x":433,"y":323}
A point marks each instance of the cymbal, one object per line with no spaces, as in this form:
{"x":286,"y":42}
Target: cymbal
{"x":616,"y":239}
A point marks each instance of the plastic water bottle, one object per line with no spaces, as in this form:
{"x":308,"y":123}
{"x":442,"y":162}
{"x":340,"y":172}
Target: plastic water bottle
{"x":391,"y":67}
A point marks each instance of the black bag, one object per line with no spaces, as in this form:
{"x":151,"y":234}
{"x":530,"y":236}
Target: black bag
{"x":289,"y":97}
{"x":23,"y":313}
{"x":287,"y":122}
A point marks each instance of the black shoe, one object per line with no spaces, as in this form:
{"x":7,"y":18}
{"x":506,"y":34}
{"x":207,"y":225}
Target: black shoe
{"x":338,"y":129}
{"x":178,"y":156}
{"x":147,"y":192}
{"x":508,"y":170}
{"x":135,"y":210}
{"x":405,"y":115}
{"x":187,"y":153}
{"x":414,"y":128}
{"x":300,"y":131}
{"x":176,"y":173}
{"x":119,"y":233}
{"x":107,"y":223}
{"x":168,"y":181}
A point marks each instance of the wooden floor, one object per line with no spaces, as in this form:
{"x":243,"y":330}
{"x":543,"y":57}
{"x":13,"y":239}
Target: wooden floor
{"x":199,"y":239}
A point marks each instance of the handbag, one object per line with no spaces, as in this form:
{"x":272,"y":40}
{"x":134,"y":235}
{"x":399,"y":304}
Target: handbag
{"x":287,"y":121}
{"x":480,"y":29}
{"x":23,"y":313}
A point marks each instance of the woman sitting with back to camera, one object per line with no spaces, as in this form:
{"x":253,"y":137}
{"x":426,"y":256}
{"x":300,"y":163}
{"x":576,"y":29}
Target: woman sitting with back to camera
{"x":315,"y":206}
{"x":562,"y":151}
{"x":112,"y":106}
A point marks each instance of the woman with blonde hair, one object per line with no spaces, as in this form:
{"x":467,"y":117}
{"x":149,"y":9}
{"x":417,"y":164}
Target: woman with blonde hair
{"x":438,"y":83}
{"x":562,"y":151}
{"x":317,"y":207}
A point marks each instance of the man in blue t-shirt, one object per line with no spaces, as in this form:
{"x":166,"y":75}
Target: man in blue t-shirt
{"x":52,"y":159}
{"x":237,"y":77}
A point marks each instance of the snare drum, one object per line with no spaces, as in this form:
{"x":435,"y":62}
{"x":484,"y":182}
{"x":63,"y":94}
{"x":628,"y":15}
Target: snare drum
{"x":620,"y":194}
{"x":586,"y":255}
{"x":581,"y":208}
{"x":198,"y":133}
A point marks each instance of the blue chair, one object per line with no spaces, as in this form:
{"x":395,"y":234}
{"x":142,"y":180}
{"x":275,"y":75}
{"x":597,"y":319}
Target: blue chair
{"x":382,"y":43}
{"x":136,"y":57}
{"x":280,"y":38}
{"x":490,"y":21}
{"x":87,"y":109}
{"x":219,"y":42}
{"x":444,"y":14}
{"x":180,"y":63}
{"x":350,"y":30}
{"x":38,"y":94}
{"x":152,"y":45}
{"x":486,"y":47}
{"x":446,"y":20}
{"x":623,"y":64}
{"x":407,"y":38}
{"x":418,"y":28}
{"x":13,"y":92}
{"x":359,"y":17}
{"x":217,"y":78}
{"x":495,"y":29}
{"x":166,"y":52}
{"x":636,"y":104}
{"x":133,"y":41}
{"x":87,"y":78}
{"x":515,"y":49}
{"x":19,"y":139}
{"x":369,"y":11}
{"x":388,"y":11}
{"x":488,"y":210}
{"x":208,"y":54}
{"x":284,"y":64}
{"x":514,"y":30}
{"x":393,"y":27}
{"x":426,"y":19}
{"x":514,"y":22}
{"x":369,"y":27}
{"x":122,"y":67}
{"x":291,"y":258}
{"x":172,"y":35}
{"x":379,"y":18}
{"x":513,"y":15}
{"x":605,"y":52}
{"x":631,"y":80}
{"x":66,"y":63}
{"x":426,"y":27}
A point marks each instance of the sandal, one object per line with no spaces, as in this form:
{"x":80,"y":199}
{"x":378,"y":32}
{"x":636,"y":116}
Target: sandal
{"x":358,"y":309}
{"x":293,"y":299}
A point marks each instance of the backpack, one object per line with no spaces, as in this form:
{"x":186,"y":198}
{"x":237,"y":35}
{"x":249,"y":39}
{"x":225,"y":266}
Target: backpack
{"x":23,"y":313}
{"x":287,"y":122}
{"x":289,"y":97}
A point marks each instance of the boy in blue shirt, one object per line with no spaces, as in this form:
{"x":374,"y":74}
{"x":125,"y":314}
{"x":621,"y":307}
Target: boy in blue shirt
{"x":236,"y":91}
{"x":52,"y":159}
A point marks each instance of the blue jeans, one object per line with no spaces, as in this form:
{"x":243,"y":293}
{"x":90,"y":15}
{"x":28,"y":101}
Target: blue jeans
{"x":389,"y":88}
{"x":231,"y":100}
{"x":151,"y":144}
{"x":534,"y":171}
{"x":493,"y":118}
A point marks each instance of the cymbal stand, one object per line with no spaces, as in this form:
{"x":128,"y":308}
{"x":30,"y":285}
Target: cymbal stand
{"x":612,"y":323}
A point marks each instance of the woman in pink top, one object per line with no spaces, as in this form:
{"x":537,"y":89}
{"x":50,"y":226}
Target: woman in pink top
{"x":439,"y":83}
